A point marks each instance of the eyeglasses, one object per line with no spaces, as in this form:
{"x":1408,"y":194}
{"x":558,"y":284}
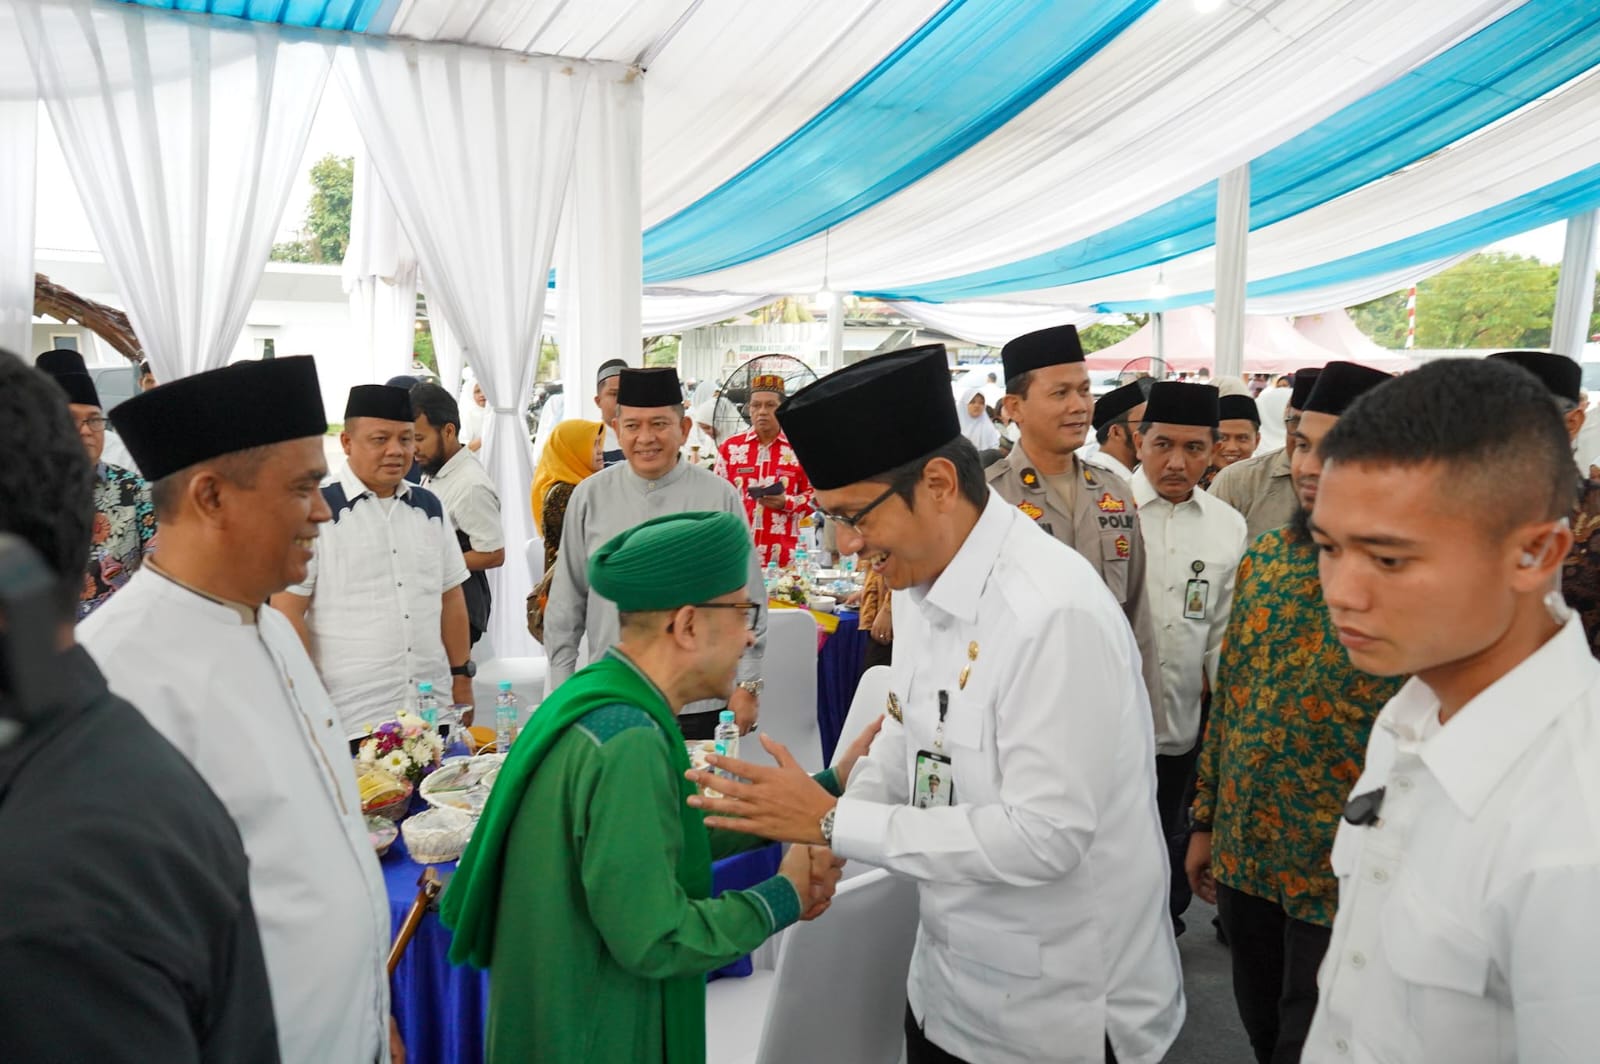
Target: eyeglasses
{"x":853,"y":521}
{"x":96,"y":423}
{"x":751,"y":618}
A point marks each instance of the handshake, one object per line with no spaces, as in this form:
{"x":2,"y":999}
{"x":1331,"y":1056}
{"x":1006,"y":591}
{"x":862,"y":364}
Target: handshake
{"x":814,"y":871}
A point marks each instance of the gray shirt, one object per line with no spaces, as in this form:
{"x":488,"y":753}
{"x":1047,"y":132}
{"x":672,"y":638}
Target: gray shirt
{"x":1260,"y":488}
{"x":612,"y":501}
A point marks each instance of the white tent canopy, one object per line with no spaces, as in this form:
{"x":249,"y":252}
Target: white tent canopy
{"x":947,"y":151}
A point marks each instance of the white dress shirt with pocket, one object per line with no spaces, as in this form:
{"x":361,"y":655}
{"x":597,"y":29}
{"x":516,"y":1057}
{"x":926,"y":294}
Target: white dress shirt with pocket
{"x":1043,"y":890}
{"x":1467,"y":930}
{"x":1177,"y":536}
{"x":376,"y":578}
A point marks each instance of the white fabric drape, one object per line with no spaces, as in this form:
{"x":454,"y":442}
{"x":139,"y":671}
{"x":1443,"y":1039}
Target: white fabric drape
{"x":1350,"y":294}
{"x":672,"y":310}
{"x":475,"y":147}
{"x":447,"y":352}
{"x":993,"y":324}
{"x":601,"y":266}
{"x":19,"y":137}
{"x":184,"y":135}
{"x":380,"y":277}
{"x":1230,"y":84}
{"x":1540,"y":144}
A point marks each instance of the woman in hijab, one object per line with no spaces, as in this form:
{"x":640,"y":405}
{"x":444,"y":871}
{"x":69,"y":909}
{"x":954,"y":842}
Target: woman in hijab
{"x":573,"y":453}
{"x":976,"y":425}
{"x":701,"y":446}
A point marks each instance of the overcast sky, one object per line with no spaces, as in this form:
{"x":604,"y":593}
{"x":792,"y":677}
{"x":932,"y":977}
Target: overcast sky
{"x":61,"y":223}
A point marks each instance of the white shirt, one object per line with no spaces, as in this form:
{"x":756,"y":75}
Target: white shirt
{"x":375,"y":581}
{"x":470,"y":498}
{"x":1102,"y":459}
{"x":240,"y":698}
{"x":1466,"y":931}
{"x":1043,"y":891}
{"x":1200,"y":530}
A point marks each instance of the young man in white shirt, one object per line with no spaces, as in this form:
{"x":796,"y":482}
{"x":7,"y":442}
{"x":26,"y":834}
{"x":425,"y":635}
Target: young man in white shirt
{"x":1469,"y":853}
{"x":1193,"y":544}
{"x":1016,"y":684}
{"x":453,"y":473}
{"x":381,"y":607}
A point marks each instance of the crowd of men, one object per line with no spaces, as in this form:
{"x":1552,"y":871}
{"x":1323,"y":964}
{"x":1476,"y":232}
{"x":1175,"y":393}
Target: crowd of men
{"x":1335,"y":689}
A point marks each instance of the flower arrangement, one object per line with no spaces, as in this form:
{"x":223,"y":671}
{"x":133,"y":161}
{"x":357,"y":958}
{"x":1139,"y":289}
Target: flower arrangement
{"x":406,"y":748}
{"x":791,"y":587}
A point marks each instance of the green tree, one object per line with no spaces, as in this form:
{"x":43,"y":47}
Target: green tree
{"x":1383,"y":319}
{"x":660,"y":350}
{"x":1490,"y":299}
{"x":326,"y":233}
{"x":1101,"y":336}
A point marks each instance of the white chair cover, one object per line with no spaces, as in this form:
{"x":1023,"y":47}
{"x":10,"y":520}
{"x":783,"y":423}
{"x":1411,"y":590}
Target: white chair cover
{"x":871,"y":694}
{"x":847,"y":970}
{"x":789,"y":698}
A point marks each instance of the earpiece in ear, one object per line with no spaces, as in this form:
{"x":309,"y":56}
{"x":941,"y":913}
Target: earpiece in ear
{"x":1528,"y":560}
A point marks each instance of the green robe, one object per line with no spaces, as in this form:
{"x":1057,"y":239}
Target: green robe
{"x":597,"y":948}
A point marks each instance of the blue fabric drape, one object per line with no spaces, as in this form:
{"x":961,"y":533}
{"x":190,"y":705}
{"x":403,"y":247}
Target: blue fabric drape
{"x":965,"y":73}
{"x":1555,"y":202}
{"x":317,"y":14}
{"x":1509,"y":63}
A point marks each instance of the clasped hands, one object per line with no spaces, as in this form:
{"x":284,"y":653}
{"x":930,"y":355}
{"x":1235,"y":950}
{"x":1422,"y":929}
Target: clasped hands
{"x":785,"y":804}
{"x":815,"y":872}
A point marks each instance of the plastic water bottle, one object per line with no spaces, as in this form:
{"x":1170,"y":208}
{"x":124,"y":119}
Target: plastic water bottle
{"x":726,"y":738}
{"x":802,"y":562}
{"x":772,"y":574}
{"x":505,"y":717}
{"x":427,"y":704}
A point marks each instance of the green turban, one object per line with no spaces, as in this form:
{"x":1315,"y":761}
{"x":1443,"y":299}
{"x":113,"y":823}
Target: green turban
{"x":671,"y":561}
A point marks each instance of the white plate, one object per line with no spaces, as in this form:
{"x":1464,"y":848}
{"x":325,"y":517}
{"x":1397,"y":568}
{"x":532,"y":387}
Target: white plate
{"x":461,"y":783}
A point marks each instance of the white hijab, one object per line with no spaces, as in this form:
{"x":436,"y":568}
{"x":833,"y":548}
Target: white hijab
{"x":1271,"y":403}
{"x":979,"y":429}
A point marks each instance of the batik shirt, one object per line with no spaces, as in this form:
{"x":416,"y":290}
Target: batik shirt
{"x":1289,"y":724}
{"x":124,"y":534}
{"x":747,"y":463}
{"x":1580,"y":572}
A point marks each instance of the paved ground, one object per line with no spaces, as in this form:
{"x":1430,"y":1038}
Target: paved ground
{"x":1211,"y":1034}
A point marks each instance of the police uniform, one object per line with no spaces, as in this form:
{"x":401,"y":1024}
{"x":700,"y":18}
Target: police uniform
{"x":1038,"y":857}
{"x":1102,"y":526}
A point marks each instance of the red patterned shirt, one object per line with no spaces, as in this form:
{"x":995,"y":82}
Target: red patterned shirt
{"x":747,"y":463}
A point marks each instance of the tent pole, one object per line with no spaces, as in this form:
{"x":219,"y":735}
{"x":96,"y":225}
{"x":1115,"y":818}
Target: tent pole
{"x":1158,"y":328}
{"x":1569,"y":327}
{"x":1233,"y":239}
{"x":835,"y":331}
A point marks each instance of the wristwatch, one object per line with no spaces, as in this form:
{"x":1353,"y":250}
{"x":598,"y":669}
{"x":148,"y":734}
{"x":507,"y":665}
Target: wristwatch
{"x":827,"y":825}
{"x":752,"y":686}
{"x":469,"y":670}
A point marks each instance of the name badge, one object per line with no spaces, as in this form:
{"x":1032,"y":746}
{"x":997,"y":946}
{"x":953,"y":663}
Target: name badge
{"x":935,"y":783}
{"x":1197,"y":595}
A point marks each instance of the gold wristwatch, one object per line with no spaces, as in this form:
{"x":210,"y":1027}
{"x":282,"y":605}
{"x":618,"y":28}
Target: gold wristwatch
{"x":752,"y":686}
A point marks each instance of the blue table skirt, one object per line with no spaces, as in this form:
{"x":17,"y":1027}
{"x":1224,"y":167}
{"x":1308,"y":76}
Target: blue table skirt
{"x":838,"y":672}
{"x":441,"y":1008}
